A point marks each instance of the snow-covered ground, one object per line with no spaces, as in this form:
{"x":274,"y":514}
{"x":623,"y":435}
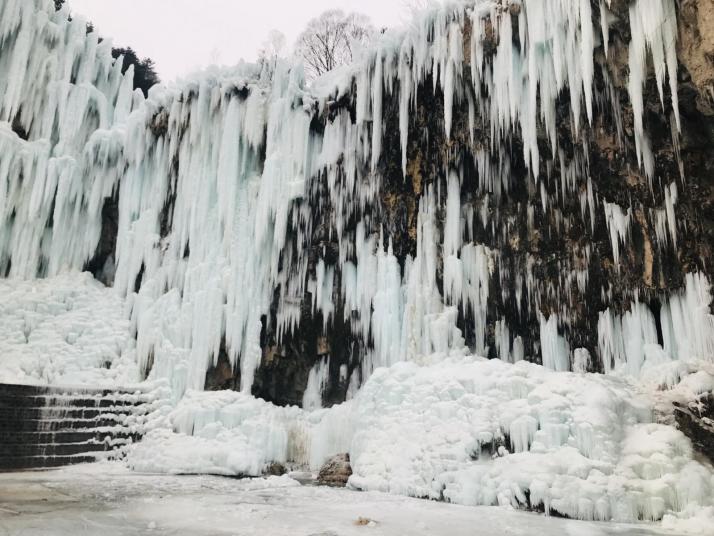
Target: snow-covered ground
{"x":108,"y":499}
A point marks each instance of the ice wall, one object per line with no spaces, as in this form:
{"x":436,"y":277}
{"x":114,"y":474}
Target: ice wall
{"x":223,"y":182}
{"x":63,"y":93}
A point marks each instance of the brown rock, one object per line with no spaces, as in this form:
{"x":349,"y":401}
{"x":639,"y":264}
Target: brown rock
{"x":365,"y":522}
{"x":335,"y":472}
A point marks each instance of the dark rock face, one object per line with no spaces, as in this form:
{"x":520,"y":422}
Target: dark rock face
{"x":335,"y":472}
{"x":102,"y":265}
{"x":554,"y":228}
{"x":696,"y":420}
{"x":285,"y":367}
{"x":222,"y":376}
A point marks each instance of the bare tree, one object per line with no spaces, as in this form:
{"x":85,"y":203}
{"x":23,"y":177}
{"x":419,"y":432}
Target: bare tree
{"x":331,"y":40}
{"x":412,"y":7}
{"x":270,"y":52}
{"x":273,"y":47}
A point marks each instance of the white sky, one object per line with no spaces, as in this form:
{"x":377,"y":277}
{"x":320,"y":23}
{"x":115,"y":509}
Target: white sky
{"x":184,"y":35}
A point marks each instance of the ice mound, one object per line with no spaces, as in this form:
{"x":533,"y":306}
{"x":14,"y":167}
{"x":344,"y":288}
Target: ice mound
{"x":485,"y":433}
{"x":224,"y":433}
{"x":231,"y":433}
{"x":469,"y":431}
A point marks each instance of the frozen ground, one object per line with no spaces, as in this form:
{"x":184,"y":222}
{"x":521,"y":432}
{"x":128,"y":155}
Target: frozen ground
{"x":109,"y":500}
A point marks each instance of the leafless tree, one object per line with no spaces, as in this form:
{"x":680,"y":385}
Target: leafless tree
{"x":412,"y":7}
{"x":274,"y":46}
{"x":331,"y":40}
{"x":272,"y":49}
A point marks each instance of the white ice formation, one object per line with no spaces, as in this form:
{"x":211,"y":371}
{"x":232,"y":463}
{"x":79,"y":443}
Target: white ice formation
{"x":466,"y":430}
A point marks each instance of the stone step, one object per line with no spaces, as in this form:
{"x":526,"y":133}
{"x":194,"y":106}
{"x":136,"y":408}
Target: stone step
{"x":7,"y":389}
{"x":53,"y":449}
{"x":58,"y":425}
{"x":16,"y":463}
{"x":80,"y":392}
{"x":17,"y":401}
{"x":56,"y":413}
{"x":79,"y":436}
{"x":43,"y":427}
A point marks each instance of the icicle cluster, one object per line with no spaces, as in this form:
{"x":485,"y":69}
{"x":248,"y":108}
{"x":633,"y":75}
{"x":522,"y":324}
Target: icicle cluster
{"x":630,"y":341}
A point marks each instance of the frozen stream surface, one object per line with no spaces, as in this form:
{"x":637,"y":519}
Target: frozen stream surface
{"x":107,"y":499}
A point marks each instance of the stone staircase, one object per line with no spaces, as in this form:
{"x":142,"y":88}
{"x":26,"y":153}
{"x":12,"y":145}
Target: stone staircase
{"x":43,"y":427}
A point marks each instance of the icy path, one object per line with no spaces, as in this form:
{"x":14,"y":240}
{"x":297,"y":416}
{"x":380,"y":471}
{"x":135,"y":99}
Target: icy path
{"x":109,"y":500}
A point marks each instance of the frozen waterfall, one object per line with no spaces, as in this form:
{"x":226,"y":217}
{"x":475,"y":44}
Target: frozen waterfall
{"x":218,"y":181}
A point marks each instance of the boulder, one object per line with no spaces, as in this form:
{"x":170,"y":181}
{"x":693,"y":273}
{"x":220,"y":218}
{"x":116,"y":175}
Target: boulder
{"x":335,"y":472}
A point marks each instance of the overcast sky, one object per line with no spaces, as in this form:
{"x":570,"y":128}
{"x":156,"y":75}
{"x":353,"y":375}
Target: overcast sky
{"x":184,"y":35}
